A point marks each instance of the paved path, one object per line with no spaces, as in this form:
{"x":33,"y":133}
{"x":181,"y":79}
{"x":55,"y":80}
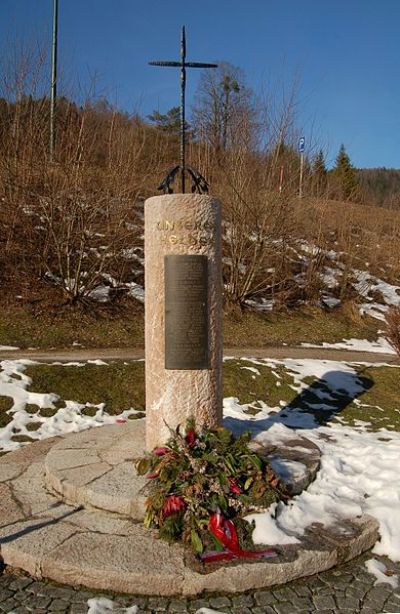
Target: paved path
{"x":75,"y":354}
{"x":348,"y":589}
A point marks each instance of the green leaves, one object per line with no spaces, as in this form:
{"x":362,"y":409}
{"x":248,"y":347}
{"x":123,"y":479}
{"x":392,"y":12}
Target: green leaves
{"x":208,"y":471}
{"x":196,"y":541}
{"x":143,"y":466}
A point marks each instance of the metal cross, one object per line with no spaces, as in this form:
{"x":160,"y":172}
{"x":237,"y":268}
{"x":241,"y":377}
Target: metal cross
{"x":183,"y":65}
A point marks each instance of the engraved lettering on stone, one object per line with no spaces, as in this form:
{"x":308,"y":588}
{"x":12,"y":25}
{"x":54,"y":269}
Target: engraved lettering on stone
{"x":186,"y":312}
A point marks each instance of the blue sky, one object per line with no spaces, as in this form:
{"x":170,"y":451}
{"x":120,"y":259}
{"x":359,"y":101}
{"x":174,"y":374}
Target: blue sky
{"x":344,"y":52}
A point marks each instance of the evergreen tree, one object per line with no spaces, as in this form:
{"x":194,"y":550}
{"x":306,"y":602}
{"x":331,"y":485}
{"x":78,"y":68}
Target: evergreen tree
{"x":319,"y":174}
{"x":345,"y":175}
{"x":169,"y":122}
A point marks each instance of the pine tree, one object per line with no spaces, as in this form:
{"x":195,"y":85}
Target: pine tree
{"x":169,"y":122}
{"x":345,"y":175}
{"x":319,"y":174}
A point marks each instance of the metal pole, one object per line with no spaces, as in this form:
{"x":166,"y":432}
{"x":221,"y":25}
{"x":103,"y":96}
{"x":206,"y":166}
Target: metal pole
{"x":301,"y":175}
{"x":53,"y":89}
{"x":281,"y":180}
{"x":183,"y":86}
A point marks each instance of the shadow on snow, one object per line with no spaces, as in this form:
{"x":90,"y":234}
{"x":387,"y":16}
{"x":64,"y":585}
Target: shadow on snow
{"x":314,"y":406}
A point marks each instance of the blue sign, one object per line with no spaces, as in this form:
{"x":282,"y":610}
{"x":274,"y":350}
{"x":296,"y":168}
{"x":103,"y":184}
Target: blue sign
{"x":302,"y":144}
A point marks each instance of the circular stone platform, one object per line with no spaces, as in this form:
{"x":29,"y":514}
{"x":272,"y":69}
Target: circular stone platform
{"x":95,"y":468}
{"x":50,"y":538}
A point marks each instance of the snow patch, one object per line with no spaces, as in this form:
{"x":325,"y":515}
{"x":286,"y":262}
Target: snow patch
{"x":14,"y":384}
{"x":102,"y":605}
{"x":378,"y":569}
{"x":380,"y":346}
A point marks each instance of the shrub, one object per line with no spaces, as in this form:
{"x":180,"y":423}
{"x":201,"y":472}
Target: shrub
{"x":393,"y":327}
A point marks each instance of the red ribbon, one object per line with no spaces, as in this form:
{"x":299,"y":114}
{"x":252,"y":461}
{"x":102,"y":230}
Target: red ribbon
{"x":225,"y":531}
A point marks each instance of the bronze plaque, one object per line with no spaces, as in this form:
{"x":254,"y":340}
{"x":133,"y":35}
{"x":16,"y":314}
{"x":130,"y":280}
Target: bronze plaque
{"x":186,"y":312}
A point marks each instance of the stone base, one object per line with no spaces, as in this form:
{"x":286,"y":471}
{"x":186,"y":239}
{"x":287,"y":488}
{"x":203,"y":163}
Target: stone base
{"x":50,"y":538}
{"x":96,"y":469}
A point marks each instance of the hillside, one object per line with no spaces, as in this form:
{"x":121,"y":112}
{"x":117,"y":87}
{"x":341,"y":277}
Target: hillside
{"x":380,"y":186}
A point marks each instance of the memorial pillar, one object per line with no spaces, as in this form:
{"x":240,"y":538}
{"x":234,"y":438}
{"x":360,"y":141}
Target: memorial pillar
{"x":183,"y":313}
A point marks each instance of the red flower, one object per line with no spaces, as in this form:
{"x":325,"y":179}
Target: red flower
{"x":190,"y":438}
{"x":234,"y":487}
{"x":160,"y":451}
{"x":152,"y":475}
{"x":172,"y":505}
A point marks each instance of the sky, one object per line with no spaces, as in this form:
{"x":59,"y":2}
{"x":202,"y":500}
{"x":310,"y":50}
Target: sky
{"x":342,"y":54}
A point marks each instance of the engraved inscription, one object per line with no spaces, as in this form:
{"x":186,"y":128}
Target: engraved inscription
{"x":186,"y":232}
{"x":186,"y":312}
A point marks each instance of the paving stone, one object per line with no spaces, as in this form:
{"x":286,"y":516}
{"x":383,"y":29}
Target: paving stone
{"x":77,"y":608}
{"x":316,"y":583}
{"x":263,"y":610}
{"x":242,"y":600}
{"x":7,"y":605}
{"x":264,"y":598}
{"x":284,"y":594}
{"x":220,"y":602}
{"x":356,"y":591}
{"x":20,"y":583}
{"x":38,"y":588}
{"x":283,"y":607}
{"x":303,"y":604}
{"x":58,"y":605}
{"x":324,"y":602}
{"x":239,"y":610}
{"x":392,"y":605}
{"x":42,"y":602}
{"x":196,"y":604}
{"x":348,"y":603}
{"x":5,"y":593}
{"x":57,"y":592}
{"x":157,"y":604}
{"x":178,"y":606}
{"x":376,"y":597}
{"x":302,"y":590}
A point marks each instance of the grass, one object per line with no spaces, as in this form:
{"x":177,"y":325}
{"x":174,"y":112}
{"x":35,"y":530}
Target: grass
{"x":121,"y":385}
{"x":124,"y":327}
{"x":5,"y":404}
{"x":242,"y":382}
{"x":309,"y":325}
{"x":101,"y":327}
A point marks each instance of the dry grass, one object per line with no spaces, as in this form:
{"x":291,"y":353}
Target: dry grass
{"x":393,"y":328}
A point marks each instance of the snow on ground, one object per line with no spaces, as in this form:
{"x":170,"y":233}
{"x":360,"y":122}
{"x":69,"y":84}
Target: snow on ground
{"x":359,"y":468}
{"x":379,"y":570}
{"x":368,"y":287}
{"x":9,"y":348}
{"x":381,"y":345}
{"x":68,"y":419}
{"x":102,"y":605}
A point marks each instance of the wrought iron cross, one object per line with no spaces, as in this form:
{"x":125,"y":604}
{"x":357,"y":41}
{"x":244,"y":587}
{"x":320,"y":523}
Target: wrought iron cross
{"x":183,"y":65}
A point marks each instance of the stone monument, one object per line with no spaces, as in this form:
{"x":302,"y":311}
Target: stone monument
{"x":66,"y":506}
{"x":183,"y":313}
{"x":183,"y":335}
